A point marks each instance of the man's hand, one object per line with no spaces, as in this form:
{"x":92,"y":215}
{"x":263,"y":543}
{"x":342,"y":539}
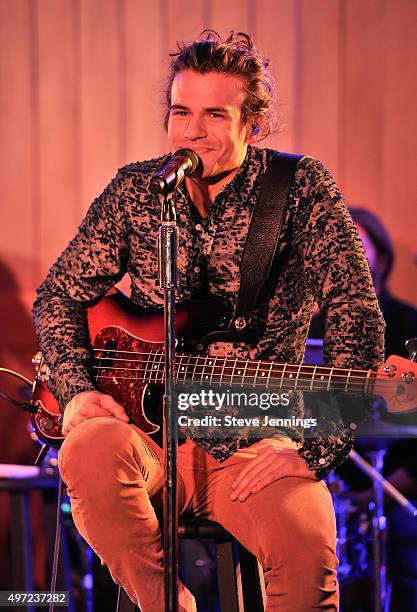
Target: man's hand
{"x":271,"y":464}
{"x":89,"y":404}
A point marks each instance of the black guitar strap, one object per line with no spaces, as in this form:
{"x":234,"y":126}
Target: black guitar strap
{"x":263,"y":236}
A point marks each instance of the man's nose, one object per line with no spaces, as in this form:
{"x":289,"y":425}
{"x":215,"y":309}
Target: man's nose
{"x":195,"y":128}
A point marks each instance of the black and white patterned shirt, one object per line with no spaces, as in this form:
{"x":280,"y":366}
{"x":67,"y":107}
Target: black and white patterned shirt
{"x":321,"y":259}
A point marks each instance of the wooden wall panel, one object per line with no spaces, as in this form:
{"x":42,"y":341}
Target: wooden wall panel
{"x":361,"y":117}
{"x":59,"y":165}
{"x":185,"y":20}
{"x":319,"y":40}
{"x":144,"y":79}
{"x":276,"y":37}
{"x":103,"y":131}
{"x":399,"y":119}
{"x":81,"y":86}
{"x":226,"y":16}
{"x":19,"y":132}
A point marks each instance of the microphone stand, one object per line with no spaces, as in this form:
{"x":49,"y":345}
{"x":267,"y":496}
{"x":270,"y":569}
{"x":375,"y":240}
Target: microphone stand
{"x":184,"y":161}
{"x":167,"y":246}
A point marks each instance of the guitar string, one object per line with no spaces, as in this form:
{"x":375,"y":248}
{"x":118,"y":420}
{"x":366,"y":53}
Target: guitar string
{"x":301,"y":373}
{"x":319,"y":372}
{"x":272,"y":373}
{"x":207,"y":358}
{"x":316,"y":370}
{"x":260,"y":383}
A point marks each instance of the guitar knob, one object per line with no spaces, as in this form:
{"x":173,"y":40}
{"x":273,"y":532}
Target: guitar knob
{"x":240,"y":323}
{"x":408,"y":377}
{"x":46,"y":423}
{"x":390,"y":369}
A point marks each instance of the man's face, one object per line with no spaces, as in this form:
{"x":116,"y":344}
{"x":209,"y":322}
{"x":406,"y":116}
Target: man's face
{"x":205,"y":116}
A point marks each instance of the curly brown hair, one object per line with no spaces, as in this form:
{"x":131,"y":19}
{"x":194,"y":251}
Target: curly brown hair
{"x":235,"y":55}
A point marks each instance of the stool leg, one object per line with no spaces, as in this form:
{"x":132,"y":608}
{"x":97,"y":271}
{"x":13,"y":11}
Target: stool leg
{"x":251,"y":584}
{"x":22,"y":564}
{"x":226,"y":577}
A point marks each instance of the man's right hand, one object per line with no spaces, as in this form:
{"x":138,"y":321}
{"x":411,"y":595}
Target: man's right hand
{"x":89,"y":404}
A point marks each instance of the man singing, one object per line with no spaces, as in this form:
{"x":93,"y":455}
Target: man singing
{"x":268,"y":493}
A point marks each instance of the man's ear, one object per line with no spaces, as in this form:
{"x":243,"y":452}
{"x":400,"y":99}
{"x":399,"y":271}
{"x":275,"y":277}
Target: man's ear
{"x":256,"y":129}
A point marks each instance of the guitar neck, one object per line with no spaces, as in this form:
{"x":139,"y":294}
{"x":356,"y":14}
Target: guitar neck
{"x":263,"y":374}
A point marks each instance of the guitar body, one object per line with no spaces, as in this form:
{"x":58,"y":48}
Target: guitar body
{"x":129,"y":364}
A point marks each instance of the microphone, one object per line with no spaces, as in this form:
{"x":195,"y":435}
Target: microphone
{"x":184,"y":161}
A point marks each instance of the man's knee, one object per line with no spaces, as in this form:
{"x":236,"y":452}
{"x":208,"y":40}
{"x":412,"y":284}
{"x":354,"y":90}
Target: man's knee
{"x":299,"y":527}
{"x":95,"y":447}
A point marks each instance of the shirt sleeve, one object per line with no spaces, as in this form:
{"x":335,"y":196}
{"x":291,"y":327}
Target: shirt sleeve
{"x":337,"y":272}
{"x":93,"y":261}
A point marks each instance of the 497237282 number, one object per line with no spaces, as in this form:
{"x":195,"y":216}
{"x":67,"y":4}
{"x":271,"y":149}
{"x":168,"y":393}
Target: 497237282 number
{"x":34,"y":598}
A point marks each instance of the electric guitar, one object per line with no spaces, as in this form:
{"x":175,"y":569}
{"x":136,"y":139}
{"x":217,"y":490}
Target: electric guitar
{"x":129,"y":365}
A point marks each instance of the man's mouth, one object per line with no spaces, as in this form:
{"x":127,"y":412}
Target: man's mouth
{"x":200,"y":150}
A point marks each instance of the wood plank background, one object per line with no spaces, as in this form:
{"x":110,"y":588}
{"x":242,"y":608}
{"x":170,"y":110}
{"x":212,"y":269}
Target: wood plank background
{"x":81,"y":90}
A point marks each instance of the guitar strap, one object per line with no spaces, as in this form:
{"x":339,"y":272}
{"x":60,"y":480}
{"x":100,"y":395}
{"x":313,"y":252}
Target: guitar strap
{"x":263,"y":236}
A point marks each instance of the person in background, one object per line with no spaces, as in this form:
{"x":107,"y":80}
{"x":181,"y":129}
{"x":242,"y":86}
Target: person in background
{"x":400,"y":465}
{"x":400,"y":317}
{"x":401,"y":458}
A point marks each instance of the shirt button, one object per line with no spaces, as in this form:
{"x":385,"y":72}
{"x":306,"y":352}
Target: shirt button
{"x":197,"y":269}
{"x":198,"y":227}
{"x":322,"y":461}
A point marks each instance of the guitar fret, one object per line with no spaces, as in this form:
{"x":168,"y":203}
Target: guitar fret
{"x":194,"y":370}
{"x":222,"y":372}
{"x":203,"y":369}
{"x":180,"y":367}
{"x":146,"y":361}
{"x":161,"y":370}
{"x":154,"y":368}
{"x":297,"y":377}
{"x":347,"y":380}
{"x":330,"y":379}
{"x":367,"y":383}
{"x":268,"y":378}
{"x":244,"y":372}
{"x":255,"y":378}
{"x":150,"y":364}
{"x":187,"y":372}
{"x":233,"y":371}
{"x":213,"y":370}
{"x":312,"y":378}
{"x":282,"y":375}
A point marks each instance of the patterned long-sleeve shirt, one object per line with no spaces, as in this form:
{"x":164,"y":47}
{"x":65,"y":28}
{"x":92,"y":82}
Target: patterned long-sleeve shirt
{"x":320,"y":260}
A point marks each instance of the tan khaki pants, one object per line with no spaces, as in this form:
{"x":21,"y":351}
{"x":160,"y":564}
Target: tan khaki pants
{"x":114,"y":475}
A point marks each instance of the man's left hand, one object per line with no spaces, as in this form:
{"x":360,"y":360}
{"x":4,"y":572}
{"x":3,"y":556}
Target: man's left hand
{"x":271,"y":464}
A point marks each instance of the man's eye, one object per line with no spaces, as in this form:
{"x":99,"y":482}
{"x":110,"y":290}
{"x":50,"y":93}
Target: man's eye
{"x":216,"y":115}
{"x":179,"y":113}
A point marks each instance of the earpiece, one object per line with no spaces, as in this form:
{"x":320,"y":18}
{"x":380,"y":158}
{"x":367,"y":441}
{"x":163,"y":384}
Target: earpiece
{"x":255,"y":129}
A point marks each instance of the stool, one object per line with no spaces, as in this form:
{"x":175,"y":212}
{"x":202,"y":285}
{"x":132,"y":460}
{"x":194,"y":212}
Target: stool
{"x":203,"y":529}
